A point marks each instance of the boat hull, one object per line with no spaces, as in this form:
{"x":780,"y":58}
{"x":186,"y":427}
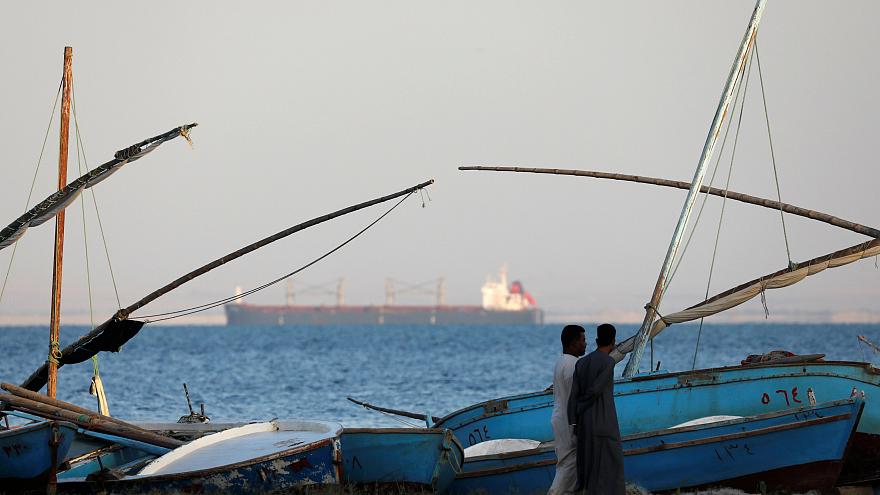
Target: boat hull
{"x":660,"y":400}
{"x":27,"y":455}
{"x":293,"y":465}
{"x":255,"y":315}
{"x":800,"y":449}
{"x":400,"y":459}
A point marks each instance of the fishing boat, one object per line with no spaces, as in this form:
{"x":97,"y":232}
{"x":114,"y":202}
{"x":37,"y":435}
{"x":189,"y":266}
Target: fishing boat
{"x":30,"y":454}
{"x":660,"y":400}
{"x":745,"y":390}
{"x":255,"y":458}
{"x":400,"y":460}
{"x":798,"y":449}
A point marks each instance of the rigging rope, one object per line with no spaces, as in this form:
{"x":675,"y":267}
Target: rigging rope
{"x":220,"y":302}
{"x":772,"y":155}
{"x":82,"y":147}
{"x":706,"y":196}
{"x":33,"y":183}
{"x":724,"y":202}
{"x":80,"y":160}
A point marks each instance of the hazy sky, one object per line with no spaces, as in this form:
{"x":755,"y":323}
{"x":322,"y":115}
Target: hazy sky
{"x":307,"y":107}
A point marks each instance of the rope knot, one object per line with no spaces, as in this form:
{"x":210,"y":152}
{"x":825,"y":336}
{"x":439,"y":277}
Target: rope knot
{"x":662,"y":318}
{"x":54,"y":352}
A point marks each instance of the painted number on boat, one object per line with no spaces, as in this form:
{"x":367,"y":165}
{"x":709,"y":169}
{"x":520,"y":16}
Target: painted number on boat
{"x":479,"y":435}
{"x":731,"y":451}
{"x":789,"y":399}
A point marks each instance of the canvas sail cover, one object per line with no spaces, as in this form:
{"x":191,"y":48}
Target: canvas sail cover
{"x":59,"y":200}
{"x":740,"y":294}
{"x":109,"y":336}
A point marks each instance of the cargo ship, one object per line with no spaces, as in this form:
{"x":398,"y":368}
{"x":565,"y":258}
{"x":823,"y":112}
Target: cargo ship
{"x":503,"y":304}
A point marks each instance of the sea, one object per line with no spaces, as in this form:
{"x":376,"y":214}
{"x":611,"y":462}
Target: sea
{"x":260,"y":373}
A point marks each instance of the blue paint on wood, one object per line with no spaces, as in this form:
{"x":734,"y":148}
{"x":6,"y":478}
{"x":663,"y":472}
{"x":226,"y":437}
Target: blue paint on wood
{"x":26,"y":452}
{"x":419,"y":458}
{"x":688,"y":457}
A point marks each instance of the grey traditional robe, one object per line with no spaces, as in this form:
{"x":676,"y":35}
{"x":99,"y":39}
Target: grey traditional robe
{"x":591,"y":409}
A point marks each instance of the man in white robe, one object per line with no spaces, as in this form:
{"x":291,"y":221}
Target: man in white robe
{"x":574,"y":346}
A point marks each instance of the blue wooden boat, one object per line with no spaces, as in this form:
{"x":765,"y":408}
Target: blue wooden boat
{"x":659,"y":400}
{"x":400,"y":459}
{"x":797,"y":449}
{"x":29,"y":453}
{"x":256,"y":458}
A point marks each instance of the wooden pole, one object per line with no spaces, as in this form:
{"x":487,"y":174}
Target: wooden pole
{"x":396,"y":412}
{"x":55,"y":322}
{"x":94,"y":421}
{"x":736,"y":72}
{"x":715,"y":191}
{"x":37,"y":397}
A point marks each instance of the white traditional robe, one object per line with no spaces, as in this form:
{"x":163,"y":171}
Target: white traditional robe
{"x":564,"y":441}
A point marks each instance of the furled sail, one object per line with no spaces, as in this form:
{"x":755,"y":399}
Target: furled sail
{"x":59,"y":200}
{"x":742,"y":293}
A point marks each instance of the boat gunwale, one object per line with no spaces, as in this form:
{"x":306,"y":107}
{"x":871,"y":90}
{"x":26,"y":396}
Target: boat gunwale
{"x":545,"y":448}
{"x":37,"y":425}
{"x":745,"y":419}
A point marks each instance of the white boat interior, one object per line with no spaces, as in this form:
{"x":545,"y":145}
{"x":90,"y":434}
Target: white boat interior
{"x":241,"y":444}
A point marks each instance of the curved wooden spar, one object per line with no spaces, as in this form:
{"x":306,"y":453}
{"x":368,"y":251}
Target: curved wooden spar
{"x":113,"y":333}
{"x":123,"y":313}
{"x":736,"y":196}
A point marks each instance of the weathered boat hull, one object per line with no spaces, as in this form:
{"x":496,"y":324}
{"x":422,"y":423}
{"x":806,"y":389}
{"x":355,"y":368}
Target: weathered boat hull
{"x":315,"y":464}
{"x":27,"y":454}
{"x":660,"y":400}
{"x":400,"y":459}
{"x":800,"y":449}
{"x":257,"y":458}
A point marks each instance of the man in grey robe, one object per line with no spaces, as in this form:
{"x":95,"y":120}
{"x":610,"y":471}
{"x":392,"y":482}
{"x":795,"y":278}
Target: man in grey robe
{"x":591,"y":410}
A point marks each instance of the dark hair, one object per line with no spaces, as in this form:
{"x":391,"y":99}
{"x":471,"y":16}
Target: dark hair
{"x":570,"y":333}
{"x":605,"y":334}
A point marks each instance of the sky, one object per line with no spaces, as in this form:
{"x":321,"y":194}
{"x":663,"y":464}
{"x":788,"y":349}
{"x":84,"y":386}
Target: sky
{"x":308,"y":107}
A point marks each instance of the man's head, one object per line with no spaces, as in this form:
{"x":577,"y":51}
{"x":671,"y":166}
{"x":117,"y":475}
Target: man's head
{"x":605,"y":335}
{"x":574,"y":341}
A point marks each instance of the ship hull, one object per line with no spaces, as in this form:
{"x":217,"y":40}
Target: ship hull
{"x":251,"y":314}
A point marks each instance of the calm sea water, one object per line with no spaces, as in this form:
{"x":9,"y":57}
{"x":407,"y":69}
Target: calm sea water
{"x":250,"y":373}
{"x":253,"y":373}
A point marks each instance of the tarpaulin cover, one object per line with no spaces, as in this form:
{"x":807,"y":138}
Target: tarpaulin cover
{"x":109,"y":337}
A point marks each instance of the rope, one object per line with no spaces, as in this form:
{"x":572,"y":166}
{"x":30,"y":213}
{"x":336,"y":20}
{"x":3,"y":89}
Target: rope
{"x":668,"y":280}
{"x":220,"y":302}
{"x":662,"y":318}
{"x":705,"y":197}
{"x":80,"y":146}
{"x":724,"y":202}
{"x":33,"y":183}
{"x":773,"y":156}
{"x":80,"y":160}
{"x":54,"y":352}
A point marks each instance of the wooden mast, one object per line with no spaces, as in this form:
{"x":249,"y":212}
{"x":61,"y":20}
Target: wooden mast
{"x":733,"y":78}
{"x":55,"y":323}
